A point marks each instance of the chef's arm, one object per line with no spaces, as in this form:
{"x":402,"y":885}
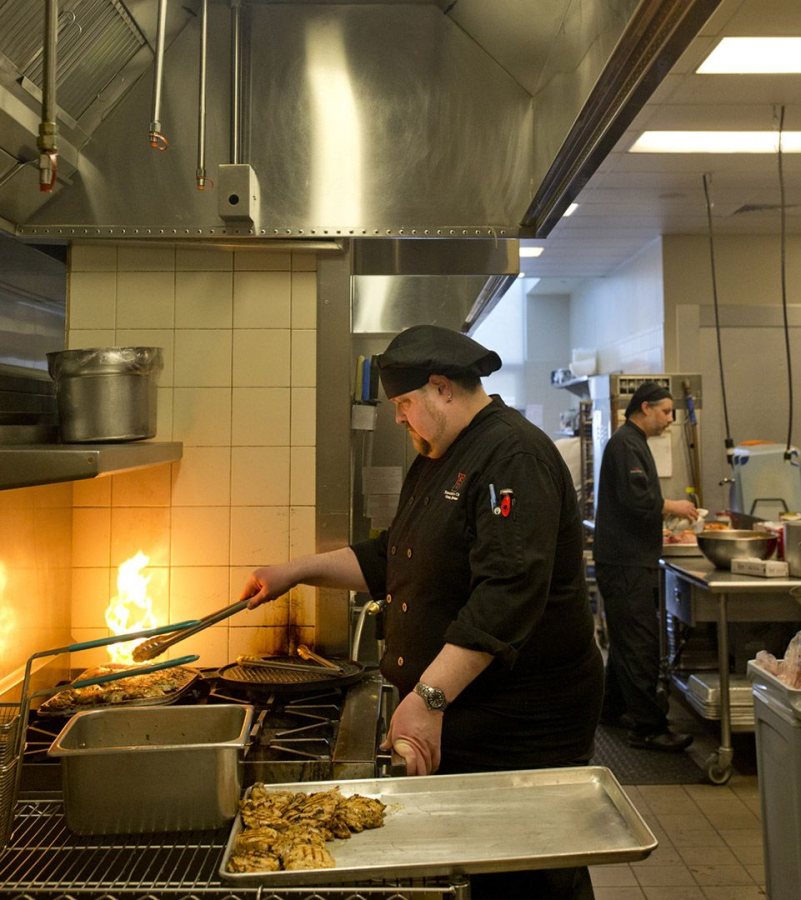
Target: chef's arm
{"x":415,"y":732}
{"x":453,"y":668}
{"x":334,"y":569}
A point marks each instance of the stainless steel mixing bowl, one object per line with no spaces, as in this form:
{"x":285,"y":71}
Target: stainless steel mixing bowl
{"x":721,"y":547}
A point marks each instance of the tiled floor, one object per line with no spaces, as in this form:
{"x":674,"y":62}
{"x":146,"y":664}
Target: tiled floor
{"x":710,"y":837}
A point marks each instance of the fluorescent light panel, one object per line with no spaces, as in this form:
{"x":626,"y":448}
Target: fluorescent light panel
{"x":570,"y":210}
{"x":754,"y":56}
{"x":716,"y":142}
{"x":531,"y":252}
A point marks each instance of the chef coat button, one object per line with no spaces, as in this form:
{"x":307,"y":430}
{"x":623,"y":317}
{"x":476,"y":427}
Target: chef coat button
{"x":426,"y":501}
{"x":408,"y":552}
{"x":405,"y":607}
{"x":389,"y":599}
{"x":393,"y":550}
{"x":400,"y":660}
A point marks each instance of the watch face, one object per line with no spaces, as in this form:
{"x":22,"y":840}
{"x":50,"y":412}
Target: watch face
{"x":434,"y":697}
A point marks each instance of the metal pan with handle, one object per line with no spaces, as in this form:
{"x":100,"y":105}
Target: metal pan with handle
{"x":286,"y":674}
{"x":27,"y":697}
{"x":189,"y":677}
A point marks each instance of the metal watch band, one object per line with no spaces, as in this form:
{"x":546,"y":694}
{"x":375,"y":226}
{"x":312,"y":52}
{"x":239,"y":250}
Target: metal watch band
{"x":434,"y":697}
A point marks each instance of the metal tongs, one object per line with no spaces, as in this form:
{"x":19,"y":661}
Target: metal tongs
{"x":156,"y":646}
{"x":305,"y":653}
{"x":267,"y":662}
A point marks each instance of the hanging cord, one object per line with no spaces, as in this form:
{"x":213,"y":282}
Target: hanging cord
{"x":728,"y":441}
{"x":783,"y":249}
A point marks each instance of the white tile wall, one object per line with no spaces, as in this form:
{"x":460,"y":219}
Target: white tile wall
{"x":238,"y":332}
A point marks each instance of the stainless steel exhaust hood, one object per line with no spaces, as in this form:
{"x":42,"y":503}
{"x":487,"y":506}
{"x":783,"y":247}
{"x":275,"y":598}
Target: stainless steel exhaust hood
{"x":358,"y":120}
{"x":454,"y":283}
{"x":361,"y":120}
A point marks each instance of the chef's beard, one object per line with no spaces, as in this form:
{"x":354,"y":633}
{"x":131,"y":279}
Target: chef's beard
{"x":421,"y":445}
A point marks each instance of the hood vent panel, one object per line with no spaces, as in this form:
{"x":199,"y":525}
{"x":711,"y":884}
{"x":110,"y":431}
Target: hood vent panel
{"x":96,"y":39}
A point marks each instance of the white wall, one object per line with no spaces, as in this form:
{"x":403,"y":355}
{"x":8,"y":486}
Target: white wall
{"x":531,"y":334}
{"x":548,"y":331}
{"x":504,"y":331}
{"x":239,"y":332}
{"x":752,"y":340}
{"x":622,"y":315}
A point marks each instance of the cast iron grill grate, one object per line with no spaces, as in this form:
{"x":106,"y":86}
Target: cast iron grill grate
{"x":258,"y":675}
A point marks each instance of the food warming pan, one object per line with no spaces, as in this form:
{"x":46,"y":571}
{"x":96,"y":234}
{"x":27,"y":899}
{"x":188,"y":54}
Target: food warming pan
{"x":152,"y":769}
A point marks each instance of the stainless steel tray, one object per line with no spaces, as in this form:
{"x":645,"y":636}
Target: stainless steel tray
{"x":486,"y":822}
{"x":681,"y":550}
{"x":706,"y":687}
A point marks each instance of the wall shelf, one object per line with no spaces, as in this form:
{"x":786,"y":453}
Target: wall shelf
{"x":26,"y":465}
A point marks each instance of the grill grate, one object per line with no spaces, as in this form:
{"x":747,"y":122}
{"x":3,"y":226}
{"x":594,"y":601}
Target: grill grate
{"x":264,"y":675}
{"x":44,"y":859}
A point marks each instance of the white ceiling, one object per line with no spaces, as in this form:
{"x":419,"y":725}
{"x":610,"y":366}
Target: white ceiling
{"x":634,"y":198}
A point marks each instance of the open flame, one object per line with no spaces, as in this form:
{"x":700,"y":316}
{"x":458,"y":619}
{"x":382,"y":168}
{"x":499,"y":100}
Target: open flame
{"x":131,"y":609}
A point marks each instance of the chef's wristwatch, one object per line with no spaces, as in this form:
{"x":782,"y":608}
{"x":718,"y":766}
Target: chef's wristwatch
{"x":434,"y":697}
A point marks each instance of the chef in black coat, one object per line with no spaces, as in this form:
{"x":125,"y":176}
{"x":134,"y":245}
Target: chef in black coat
{"x":488,"y":631}
{"x":627,"y":546}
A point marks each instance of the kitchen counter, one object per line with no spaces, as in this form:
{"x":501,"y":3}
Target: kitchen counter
{"x":694,"y":591}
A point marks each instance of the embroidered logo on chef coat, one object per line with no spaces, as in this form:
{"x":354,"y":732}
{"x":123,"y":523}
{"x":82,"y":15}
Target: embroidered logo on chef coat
{"x":455,"y":490}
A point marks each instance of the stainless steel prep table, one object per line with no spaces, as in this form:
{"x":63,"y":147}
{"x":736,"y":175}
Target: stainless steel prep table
{"x":693,"y":590}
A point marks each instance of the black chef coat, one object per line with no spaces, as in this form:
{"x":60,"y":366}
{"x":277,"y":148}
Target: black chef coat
{"x":461,"y":565}
{"x":628,"y":517}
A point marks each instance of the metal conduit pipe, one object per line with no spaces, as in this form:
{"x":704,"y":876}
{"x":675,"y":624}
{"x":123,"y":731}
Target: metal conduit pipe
{"x":157,"y":140}
{"x":48,"y":132}
{"x":236,"y":51}
{"x":200,"y":174}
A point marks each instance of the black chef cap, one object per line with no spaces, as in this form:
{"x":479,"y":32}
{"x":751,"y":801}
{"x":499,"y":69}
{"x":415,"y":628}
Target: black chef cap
{"x":647,"y":392}
{"x":425,"y":350}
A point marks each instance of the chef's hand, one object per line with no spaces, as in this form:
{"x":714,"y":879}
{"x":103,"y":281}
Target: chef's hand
{"x":265,"y":584}
{"x":684,"y":509}
{"x":415,"y":733}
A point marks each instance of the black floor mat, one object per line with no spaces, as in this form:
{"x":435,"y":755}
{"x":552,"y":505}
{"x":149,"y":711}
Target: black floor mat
{"x":633,"y":766}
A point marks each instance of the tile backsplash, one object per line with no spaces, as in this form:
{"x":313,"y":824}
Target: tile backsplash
{"x":238,"y":388}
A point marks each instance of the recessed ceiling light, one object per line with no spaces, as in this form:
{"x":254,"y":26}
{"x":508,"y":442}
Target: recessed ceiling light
{"x":716,"y":142}
{"x":570,"y":210}
{"x":531,"y":252}
{"x":754,"y":56}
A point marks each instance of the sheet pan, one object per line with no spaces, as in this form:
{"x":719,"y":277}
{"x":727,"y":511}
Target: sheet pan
{"x":487,"y":822}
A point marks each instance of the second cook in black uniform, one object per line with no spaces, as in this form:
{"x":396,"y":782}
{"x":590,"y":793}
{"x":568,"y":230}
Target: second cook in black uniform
{"x":629,"y":520}
{"x":488,"y":631}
